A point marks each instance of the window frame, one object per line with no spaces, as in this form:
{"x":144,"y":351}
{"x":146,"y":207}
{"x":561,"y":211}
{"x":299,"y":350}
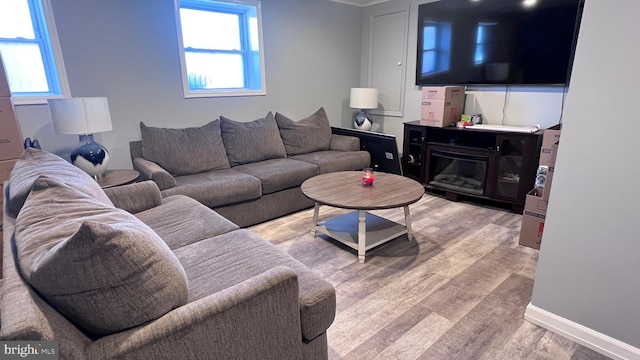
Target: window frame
{"x":433,"y":50}
{"x":51,"y":52}
{"x":199,"y":93}
{"x":482,"y":42}
{"x":441,"y":51}
{"x":479,"y":55}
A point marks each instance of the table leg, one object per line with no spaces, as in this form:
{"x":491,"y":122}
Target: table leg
{"x":407,"y":221}
{"x":316,"y":212}
{"x":362,"y":235}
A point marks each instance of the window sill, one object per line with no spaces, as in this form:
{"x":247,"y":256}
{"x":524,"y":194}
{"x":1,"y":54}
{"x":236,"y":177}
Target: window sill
{"x":209,"y":94}
{"x":32,"y":100}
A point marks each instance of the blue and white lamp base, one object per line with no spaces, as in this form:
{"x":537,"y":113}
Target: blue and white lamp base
{"x":362,"y":121}
{"x":90,"y":156}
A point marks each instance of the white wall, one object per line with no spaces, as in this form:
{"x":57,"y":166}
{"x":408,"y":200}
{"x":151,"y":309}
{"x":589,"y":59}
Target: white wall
{"x":524,"y":105}
{"x":589,"y":266}
{"x":127,"y":51}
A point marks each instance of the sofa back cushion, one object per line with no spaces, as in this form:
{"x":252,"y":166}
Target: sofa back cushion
{"x":101,"y":267}
{"x":34,"y":163}
{"x":185,"y":151}
{"x":307,"y":135}
{"x":253,"y":141}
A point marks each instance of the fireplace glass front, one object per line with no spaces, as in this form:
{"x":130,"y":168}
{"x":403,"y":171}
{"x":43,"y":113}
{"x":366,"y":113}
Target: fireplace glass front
{"x":458,"y":172}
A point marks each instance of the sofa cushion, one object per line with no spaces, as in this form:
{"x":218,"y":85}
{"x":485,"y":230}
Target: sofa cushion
{"x":307,"y":135}
{"x":239,"y":255}
{"x":248,"y":142}
{"x":135,"y":197}
{"x":185,"y":151}
{"x":181,"y":220}
{"x":332,"y":161}
{"x":217,"y":188}
{"x":279,"y":174}
{"x":99,"y":266}
{"x":35,"y":162}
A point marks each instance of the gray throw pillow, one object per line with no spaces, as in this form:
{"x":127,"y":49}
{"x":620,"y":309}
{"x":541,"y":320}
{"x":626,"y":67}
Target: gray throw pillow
{"x":99,"y":266}
{"x":35,"y":162}
{"x":248,"y":142}
{"x":185,"y":151}
{"x":310,"y":134}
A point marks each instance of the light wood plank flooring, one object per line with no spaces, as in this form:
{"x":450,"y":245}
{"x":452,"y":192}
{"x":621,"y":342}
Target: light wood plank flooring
{"x":457,"y":292}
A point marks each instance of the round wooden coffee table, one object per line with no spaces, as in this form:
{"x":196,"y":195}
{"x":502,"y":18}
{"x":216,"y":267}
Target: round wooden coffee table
{"x":359,"y":229}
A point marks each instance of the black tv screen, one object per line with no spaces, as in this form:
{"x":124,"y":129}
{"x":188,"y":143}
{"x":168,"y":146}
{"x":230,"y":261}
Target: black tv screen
{"x":383,"y":148}
{"x":503,"y":42}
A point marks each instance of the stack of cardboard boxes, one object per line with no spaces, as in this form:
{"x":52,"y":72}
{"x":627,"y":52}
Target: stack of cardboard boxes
{"x":11,"y":143}
{"x":535,"y":206}
{"x":442,"y":106}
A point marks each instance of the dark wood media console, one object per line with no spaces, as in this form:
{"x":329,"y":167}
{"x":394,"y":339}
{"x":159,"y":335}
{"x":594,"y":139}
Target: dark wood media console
{"x":492,"y":165}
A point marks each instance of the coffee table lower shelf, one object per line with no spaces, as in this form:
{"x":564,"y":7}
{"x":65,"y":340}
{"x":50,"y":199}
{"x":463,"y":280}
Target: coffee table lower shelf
{"x":376,"y":230}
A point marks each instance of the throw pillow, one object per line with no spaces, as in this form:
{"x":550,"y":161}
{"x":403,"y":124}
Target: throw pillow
{"x":185,"y":151}
{"x":101,"y":267}
{"x":310,"y":134}
{"x":35,"y":162}
{"x":248,"y":142}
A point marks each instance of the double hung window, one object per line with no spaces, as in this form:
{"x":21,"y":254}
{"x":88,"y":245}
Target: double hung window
{"x":436,"y":45}
{"x":30,"y":51}
{"x":220,"y":47}
{"x":482,"y":45}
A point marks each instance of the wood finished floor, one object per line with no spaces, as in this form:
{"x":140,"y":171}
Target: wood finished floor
{"x":457,"y":292}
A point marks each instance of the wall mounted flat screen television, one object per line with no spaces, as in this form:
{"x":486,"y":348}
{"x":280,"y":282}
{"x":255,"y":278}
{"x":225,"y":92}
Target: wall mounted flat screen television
{"x":383,"y":148}
{"x":497,"y":42}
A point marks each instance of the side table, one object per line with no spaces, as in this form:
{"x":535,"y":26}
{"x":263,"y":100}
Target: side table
{"x":117,"y":177}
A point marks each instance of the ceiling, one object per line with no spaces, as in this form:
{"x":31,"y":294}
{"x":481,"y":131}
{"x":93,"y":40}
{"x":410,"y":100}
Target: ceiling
{"x":360,"y":3}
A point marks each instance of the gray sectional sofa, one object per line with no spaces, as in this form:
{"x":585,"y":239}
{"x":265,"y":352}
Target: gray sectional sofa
{"x":248,"y":172}
{"x":127,"y":273}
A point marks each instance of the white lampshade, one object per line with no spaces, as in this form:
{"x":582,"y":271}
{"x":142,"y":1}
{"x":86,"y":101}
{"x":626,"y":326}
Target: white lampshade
{"x":80,"y":115}
{"x":364,"y":98}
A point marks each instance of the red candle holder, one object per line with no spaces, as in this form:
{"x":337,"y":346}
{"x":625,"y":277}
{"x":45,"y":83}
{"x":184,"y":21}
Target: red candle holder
{"x":367,"y":177}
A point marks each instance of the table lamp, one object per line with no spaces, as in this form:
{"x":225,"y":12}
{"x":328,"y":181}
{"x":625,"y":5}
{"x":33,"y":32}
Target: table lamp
{"x":84,"y":117}
{"x":363,"y":99}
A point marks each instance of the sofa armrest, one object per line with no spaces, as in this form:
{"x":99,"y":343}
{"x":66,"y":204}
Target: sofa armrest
{"x":344,"y":143}
{"x":152,"y":171}
{"x":258,"y":318}
{"x":135,"y":197}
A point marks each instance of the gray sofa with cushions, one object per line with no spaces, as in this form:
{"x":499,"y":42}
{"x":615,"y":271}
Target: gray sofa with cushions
{"x":249,"y":172}
{"x":125,"y":273}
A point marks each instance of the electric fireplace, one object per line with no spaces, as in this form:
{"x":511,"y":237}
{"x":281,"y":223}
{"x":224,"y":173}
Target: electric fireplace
{"x":493,"y":165}
{"x":464,"y":173}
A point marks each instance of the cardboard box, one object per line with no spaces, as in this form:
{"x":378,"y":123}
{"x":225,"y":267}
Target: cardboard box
{"x":4,"y":82}
{"x":11,"y":143}
{"x":453,"y":93}
{"x":441,"y":113}
{"x":549,"y":137}
{"x":5,"y":169}
{"x":533,"y":218}
{"x":1,"y":254}
{"x":547,"y":186}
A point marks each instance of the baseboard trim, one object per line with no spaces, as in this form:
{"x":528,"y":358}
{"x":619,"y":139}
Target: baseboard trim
{"x":582,"y":335}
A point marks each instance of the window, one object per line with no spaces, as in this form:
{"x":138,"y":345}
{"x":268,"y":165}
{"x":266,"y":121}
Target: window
{"x":482,"y":45}
{"x":436,"y":47}
{"x":30,"y":51}
{"x":479,"y":58}
{"x":220,"y":47}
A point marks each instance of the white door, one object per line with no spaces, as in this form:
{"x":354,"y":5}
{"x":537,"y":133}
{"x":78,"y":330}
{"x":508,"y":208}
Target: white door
{"x":387,"y":58}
